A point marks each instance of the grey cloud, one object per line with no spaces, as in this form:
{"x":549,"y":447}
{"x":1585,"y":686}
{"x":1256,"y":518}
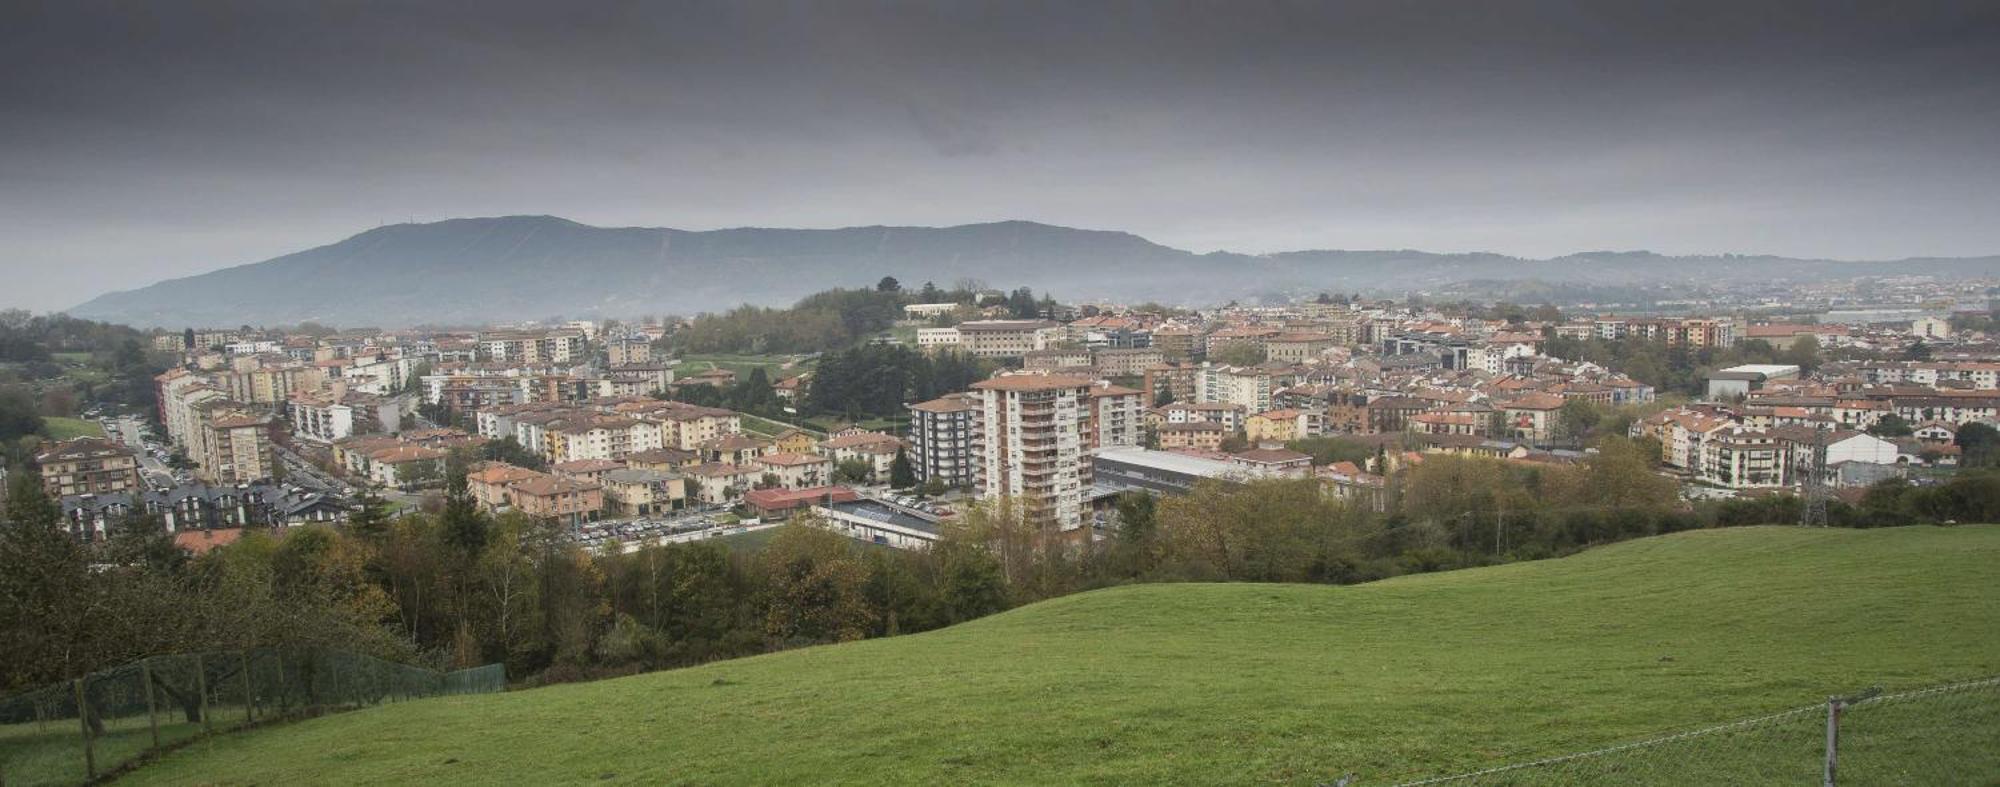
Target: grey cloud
{"x":146,"y":141}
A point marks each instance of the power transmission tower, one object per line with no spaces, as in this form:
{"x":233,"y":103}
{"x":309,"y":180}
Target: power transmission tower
{"x":1816,"y":491}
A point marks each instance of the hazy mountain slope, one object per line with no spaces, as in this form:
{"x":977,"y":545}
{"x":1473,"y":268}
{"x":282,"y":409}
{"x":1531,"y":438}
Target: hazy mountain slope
{"x":486,"y":269}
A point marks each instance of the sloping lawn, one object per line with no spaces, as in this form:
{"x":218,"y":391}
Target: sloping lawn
{"x":1204,"y":684}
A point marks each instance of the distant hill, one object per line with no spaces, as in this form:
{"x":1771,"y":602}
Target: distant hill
{"x":469,"y":271}
{"x":1248,"y":683}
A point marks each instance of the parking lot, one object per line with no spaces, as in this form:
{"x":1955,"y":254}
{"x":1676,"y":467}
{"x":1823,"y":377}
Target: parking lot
{"x":683,"y":526}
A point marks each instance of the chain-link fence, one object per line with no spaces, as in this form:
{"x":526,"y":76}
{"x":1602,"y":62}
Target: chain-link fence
{"x":79,"y":730}
{"x":1942,"y":735}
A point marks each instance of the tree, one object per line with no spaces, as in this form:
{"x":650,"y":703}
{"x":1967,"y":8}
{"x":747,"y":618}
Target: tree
{"x":901,"y":475}
{"x":817,"y":588}
{"x":971,"y":578}
{"x":141,"y":540}
{"x":1918,"y":351}
{"x":1327,"y":450}
{"x":1979,"y":445}
{"x":415,"y":474}
{"x":1891,"y":425}
{"x":19,"y":415}
{"x":1576,"y":418}
{"x":1238,"y":354}
{"x":854,"y":471}
{"x":888,"y":284}
{"x":370,"y":518}
{"x":509,"y":450}
{"x":51,"y":596}
{"x":1804,"y":353}
{"x":465,"y":527}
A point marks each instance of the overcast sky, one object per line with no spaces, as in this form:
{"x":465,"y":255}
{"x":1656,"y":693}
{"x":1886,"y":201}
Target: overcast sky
{"x":142,"y":141}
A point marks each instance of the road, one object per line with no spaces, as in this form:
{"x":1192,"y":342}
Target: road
{"x":304,"y":473}
{"x":128,"y":429}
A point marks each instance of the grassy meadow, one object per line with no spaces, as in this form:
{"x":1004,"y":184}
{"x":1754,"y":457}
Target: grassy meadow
{"x":1236,"y":683}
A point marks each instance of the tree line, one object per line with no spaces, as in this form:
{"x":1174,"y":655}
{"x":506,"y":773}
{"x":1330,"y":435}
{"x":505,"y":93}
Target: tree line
{"x":1678,"y":369}
{"x":455,"y":586}
{"x":877,"y":380}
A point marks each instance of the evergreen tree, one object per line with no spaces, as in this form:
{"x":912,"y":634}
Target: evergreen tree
{"x":901,"y":475}
{"x":465,"y":526}
{"x":371,"y":518}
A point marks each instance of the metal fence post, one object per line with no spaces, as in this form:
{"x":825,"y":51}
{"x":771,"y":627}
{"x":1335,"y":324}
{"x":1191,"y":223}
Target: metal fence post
{"x":83,"y":718}
{"x":1833,"y":708}
{"x":152,"y":714}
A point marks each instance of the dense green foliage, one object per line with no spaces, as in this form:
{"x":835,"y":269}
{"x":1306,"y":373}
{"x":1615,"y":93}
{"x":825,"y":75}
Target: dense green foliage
{"x":817,"y":323}
{"x":876,"y":380}
{"x":54,"y":367}
{"x":1214,"y":683}
{"x":1677,"y":369}
{"x":75,"y":608}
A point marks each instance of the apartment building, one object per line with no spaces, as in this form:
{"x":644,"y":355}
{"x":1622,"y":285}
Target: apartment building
{"x":598,"y":437}
{"x":564,"y":500}
{"x":635,"y":492}
{"x":1126,"y":362}
{"x":87,"y":466}
{"x":944,"y":440}
{"x":1249,"y":387}
{"x":1117,"y":417}
{"x":1229,"y":416}
{"x":1744,"y":459}
{"x":1254,"y":337}
{"x":796,"y":471}
{"x":326,"y":417}
{"x":267,"y":384}
{"x":936,"y":339}
{"x":1297,"y":347}
{"x":1284,"y":425}
{"x":1007,"y":338}
{"x":235,"y":446}
{"x":1175,"y":343}
{"x":629,"y":352}
{"x":1177,"y":379}
{"x":1197,"y":435}
{"x":1056,"y":358}
{"x":565,"y":346}
{"x":876,"y":449}
{"x":496,"y":486}
{"x":1533,"y":417}
{"x":1034,"y":446}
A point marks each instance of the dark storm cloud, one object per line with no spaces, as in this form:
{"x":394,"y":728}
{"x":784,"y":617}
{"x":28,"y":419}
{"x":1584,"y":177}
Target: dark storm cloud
{"x":141,"y":141}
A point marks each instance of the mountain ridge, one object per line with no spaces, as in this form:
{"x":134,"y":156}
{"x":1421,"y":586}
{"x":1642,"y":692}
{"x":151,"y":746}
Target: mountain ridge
{"x":482,"y":269}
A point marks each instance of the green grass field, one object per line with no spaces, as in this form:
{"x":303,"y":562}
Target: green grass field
{"x":768,"y":427}
{"x":1204,"y":683}
{"x":67,"y":428}
{"x":777,"y":367}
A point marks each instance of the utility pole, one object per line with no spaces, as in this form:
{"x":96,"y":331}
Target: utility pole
{"x":1816,"y":492}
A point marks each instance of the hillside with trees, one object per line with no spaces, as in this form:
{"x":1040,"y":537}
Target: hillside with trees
{"x":1205,"y":683}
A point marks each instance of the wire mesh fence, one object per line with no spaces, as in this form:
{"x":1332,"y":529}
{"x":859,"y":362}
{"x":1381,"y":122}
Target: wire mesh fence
{"x":1943,"y":735}
{"x":76,"y":731}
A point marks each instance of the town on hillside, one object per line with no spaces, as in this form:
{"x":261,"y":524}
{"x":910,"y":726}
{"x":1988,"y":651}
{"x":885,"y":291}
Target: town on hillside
{"x":629,"y":432}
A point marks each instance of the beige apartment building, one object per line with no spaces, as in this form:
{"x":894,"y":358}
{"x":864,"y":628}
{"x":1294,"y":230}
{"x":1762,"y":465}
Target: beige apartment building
{"x":87,"y":466}
{"x":1007,"y":338}
{"x":1034,"y":445}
